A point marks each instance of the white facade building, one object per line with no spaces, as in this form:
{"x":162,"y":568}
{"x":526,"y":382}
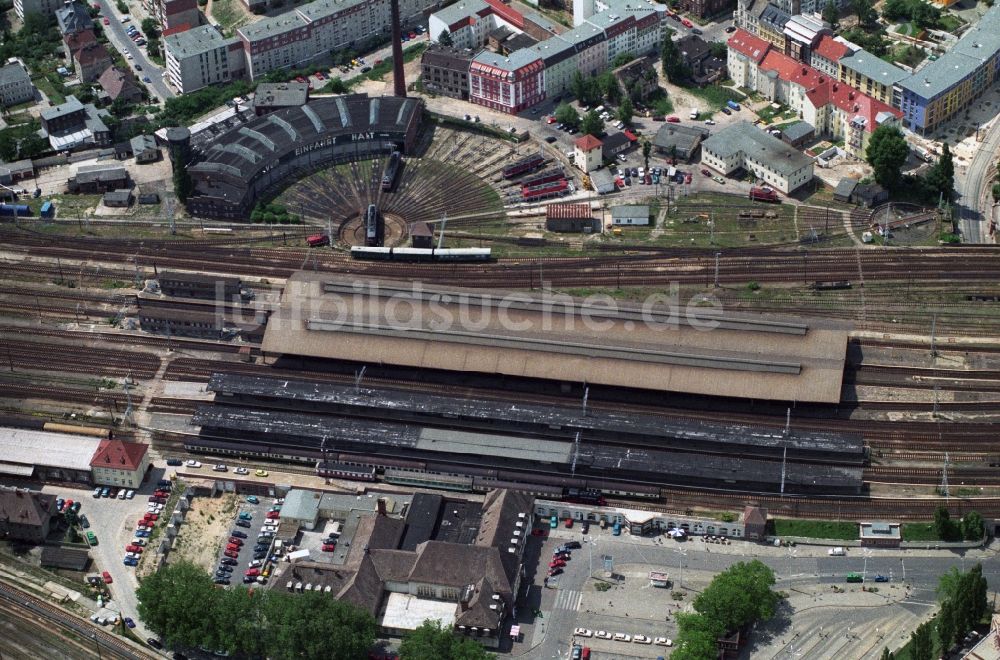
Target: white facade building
{"x":201,"y":57}
{"x":15,"y":85}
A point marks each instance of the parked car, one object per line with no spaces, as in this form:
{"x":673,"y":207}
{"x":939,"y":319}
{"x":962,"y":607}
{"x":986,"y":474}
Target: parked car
{"x":329,"y":547}
{"x":245,"y":515}
{"x":641,"y":639}
{"x":663,"y":641}
{"x":242,"y":523}
{"x":706,"y":172}
{"x":220,"y":467}
{"x":235,"y":540}
{"x":106,"y":577}
{"x":253,"y":499}
{"x":881,"y":578}
{"x":228,"y":561}
{"x":727,"y":111}
{"x":231,"y":554}
{"x":602,"y":634}
{"x":731,"y":29}
{"x":260,"y":473}
{"x":193,"y":463}
{"x":583,"y":632}
{"x":554,"y":572}
{"x":241,"y":470}
{"x":174,"y":461}
{"x":674,"y":119}
{"x":130,"y":561}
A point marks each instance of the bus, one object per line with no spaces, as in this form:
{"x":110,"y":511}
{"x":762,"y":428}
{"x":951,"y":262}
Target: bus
{"x":854,"y":577}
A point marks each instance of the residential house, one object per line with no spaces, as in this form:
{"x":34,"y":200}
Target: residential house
{"x":803,"y":34}
{"x":72,"y":124}
{"x":827,"y":53}
{"x":706,"y":8}
{"x":120,"y":463}
{"x":15,"y":85}
{"x":614,"y":144}
{"x":120,"y":84}
{"x":201,"y":57}
{"x":771,"y":23}
{"x":144,"y":149}
{"x":637,"y":79}
{"x":746,"y":52}
{"x":696,"y":54}
{"x":90,"y":60}
{"x":25,"y":515}
{"x":73,"y":17}
{"x":874,"y":76}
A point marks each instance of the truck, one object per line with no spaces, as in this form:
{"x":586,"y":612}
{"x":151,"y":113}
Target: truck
{"x":732,"y":105}
{"x":694,"y":113}
{"x":48,"y":210}
{"x":763,"y":194}
{"x":836,"y":552}
{"x":318,"y":240}
{"x":925,"y":155}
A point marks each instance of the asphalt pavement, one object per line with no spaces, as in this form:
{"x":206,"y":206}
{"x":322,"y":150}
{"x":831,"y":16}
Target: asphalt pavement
{"x":258,"y":511}
{"x":116,"y":33}
{"x":974,"y":202}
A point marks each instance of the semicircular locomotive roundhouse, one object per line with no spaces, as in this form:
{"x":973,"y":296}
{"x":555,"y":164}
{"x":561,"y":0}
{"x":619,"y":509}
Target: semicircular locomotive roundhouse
{"x":232,"y":170}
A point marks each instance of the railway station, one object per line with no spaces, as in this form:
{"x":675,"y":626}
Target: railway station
{"x":654,"y":346}
{"x":542,"y":420}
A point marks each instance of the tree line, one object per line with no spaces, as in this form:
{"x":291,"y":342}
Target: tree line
{"x":887,"y":152}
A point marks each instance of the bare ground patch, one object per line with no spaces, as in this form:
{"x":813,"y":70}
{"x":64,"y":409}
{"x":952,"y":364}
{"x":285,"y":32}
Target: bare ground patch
{"x":202,"y":533}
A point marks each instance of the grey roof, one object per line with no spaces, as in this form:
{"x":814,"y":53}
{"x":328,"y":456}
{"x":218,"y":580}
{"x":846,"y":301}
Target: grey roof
{"x":845,"y":188}
{"x":445,"y":56}
{"x":459,"y":10}
{"x":682,"y":136}
{"x":630,"y":211}
{"x":118,"y":196}
{"x":142,"y":143}
{"x":604,"y":20}
{"x":973,"y":50}
{"x":69,"y":558}
{"x":584,"y":34}
{"x":29,"y":447}
{"x":73,"y":18}
{"x":614,"y":141}
{"x":13,"y":73}
{"x":421,"y":519}
{"x":511,"y":62}
{"x":554,"y":50}
{"x":194,"y":42}
{"x":798,"y":130}
{"x":774,"y":16}
{"x":602,"y":180}
{"x":70,"y":106}
{"x":693,"y":47}
{"x":323,"y":8}
{"x":301,"y":505}
{"x":763,"y":147}
{"x":283,"y":95}
{"x":274,"y":26}
{"x":873,"y":67}
{"x":88,"y":173}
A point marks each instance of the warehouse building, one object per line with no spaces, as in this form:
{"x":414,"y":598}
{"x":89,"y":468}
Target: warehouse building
{"x":570,"y":217}
{"x":98,"y":179}
{"x":46,"y":456}
{"x":744,"y":146}
{"x":630,"y":214}
{"x":679,"y":141}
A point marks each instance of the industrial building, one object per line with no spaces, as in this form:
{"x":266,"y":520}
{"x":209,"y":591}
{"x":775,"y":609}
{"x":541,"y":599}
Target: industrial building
{"x":744,"y":146}
{"x":98,"y":179}
{"x":46,"y":456}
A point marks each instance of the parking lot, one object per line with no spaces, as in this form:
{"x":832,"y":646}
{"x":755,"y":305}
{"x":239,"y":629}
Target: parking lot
{"x":113,"y":522}
{"x":256,"y":523}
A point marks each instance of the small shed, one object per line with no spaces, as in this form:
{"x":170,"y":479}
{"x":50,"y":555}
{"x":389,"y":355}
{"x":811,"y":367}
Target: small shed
{"x":880,"y":535}
{"x":421,"y":235}
{"x":755,"y":523}
{"x":118,"y":198}
{"x":630,"y":214}
{"x":869,"y":195}
{"x":602,"y":181}
{"x":844,"y":190}
{"x":570,"y":217}
{"x":149,"y":198}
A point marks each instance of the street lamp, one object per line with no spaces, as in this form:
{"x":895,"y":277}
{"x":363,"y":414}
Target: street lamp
{"x":681,"y":554}
{"x":97,"y":643}
{"x":864,"y":573}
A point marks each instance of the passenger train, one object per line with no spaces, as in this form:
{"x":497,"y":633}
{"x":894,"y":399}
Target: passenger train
{"x":420,"y":254}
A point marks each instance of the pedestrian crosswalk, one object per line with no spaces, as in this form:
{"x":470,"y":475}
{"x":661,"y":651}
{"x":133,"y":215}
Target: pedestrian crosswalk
{"x":568,"y":599}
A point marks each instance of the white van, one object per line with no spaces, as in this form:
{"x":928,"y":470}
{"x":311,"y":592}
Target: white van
{"x":837,"y":552}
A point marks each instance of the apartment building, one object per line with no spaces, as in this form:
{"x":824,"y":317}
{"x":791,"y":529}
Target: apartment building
{"x":45,"y":7}
{"x":445,"y":71}
{"x":312,"y":30}
{"x":15,"y":85}
{"x":945,"y":87}
{"x":826,"y":56}
{"x":507,"y":83}
{"x":201,"y":57}
{"x":743,"y":145}
{"x":871,"y":75}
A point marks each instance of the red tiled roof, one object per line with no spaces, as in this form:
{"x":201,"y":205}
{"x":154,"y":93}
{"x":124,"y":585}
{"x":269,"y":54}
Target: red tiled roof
{"x":116,"y":82}
{"x":92,"y":53}
{"x":563,"y":211}
{"x":855,"y":104}
{"x":830,"y":48}
{"x":118,"y":455}
{"x":747,"y":44}
{"x":77,"y":40}
{"x":630,"y":135}
{"x":588,"y":142}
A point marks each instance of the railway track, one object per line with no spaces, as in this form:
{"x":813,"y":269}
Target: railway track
{"x":108,"y":643}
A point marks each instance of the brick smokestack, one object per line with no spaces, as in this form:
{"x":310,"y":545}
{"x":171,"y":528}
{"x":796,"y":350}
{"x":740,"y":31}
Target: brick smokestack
{"x":398,"y":81}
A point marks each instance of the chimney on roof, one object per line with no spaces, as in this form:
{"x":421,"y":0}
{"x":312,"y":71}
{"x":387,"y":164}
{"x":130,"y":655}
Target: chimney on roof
{"x":835,"y":87}
{"x":398,"y":81}
{"x":380,"y":503}
{"x":805,"y":71}
{"x":850,"y":95}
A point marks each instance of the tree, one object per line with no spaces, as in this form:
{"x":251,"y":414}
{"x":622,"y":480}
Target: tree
{"x":621,"y":59}
{"x":830,"y":13}
{"x":178,"y":604}
{"x":942,"y":523}
{"x":313,"y":625}
{"x":996,"y":192}
{"x":432,"y":642}
{"x":921,"y":643}
{"x":625,"y":111}
{"x":150,"y":28}
{"x":647,"y":148}
{"x":565,"y":114}
{"x":865,"y":11}
{"x":945,"y":627}
{"x":445,"y":38}
{"x":696,"y":637}
{"x":739,"y":595}
{"x":671,"y":60}
{"x":886,"y":654}
{"x":607,"y":87}
{"x":592,"y":124}
{"x":886,"y":153}
{"x":973,"y":527}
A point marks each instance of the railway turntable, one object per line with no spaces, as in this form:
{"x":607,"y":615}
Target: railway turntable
{"x":653,"y":346}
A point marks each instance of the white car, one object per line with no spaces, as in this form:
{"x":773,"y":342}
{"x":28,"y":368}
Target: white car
{"x":121,"y":494}
{"x":642,"y":172}
{"x":642,"y":639}
{"x":602,"y":634}
{"x":663,"y":641}
{"x":623,"y":637}
{"x":621,"y":157}
{"x":709,"y":122}
{"x":130,"y":494}
{"x":128,"y":56}
{"x":97,"y":492}
{"x":256,"y":563}
{"x":193,"y":464}
{"x":132,"y":555}
{"x":220,"y":468}
{"x":583,"y":632}
{"x":241,"y":470}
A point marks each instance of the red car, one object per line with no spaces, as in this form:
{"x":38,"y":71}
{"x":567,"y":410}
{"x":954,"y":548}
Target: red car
{"x":232,"y":554}
{"x":107,"y":577}
{"x":557,"y":563}
{"x":673,"y":120}
{"x":68,"y":505}
{"x":152,"y":516}
{"x":106,"y":21}
{"x":233,"y":540}
{"x":272,"y":515}
{"x":134,"y":548}
{"x":300,"y":79}
{"x":412,"y":35}
{"x":569,"y":523}
{"x":706,"y":173}
{"x":253,"y":572}
{"x":686,"y":23}
{"x":232,"y":548}
{"x":329,"y":547}
{"x":161,"y":493}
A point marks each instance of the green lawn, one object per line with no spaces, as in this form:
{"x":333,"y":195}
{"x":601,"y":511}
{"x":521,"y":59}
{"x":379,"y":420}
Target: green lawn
{"x":919,"y":532}
{"x":816,"y":529}
{"x":950,"y":22}
{"x":715,"y":95}
{"x":54,"y":95}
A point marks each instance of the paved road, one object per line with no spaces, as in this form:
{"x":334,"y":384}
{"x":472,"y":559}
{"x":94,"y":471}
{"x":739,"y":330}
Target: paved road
{"x":565,"y":607}
{"x":118,"y":37}
{"x":974,"y":207}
